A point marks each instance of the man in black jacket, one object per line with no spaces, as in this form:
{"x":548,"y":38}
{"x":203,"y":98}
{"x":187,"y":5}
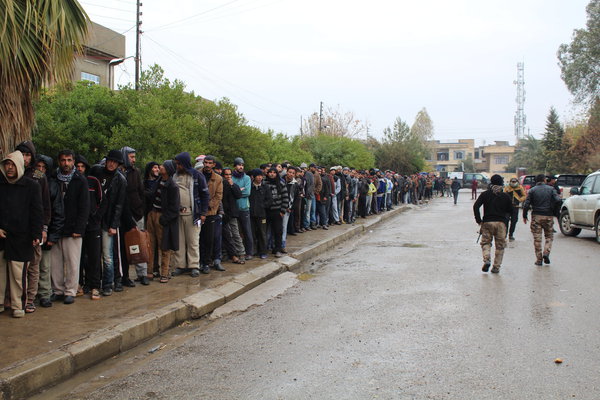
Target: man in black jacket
{"x":542,"y":199}
{"x":496,"y":211}
{"x":114,"y":186}
{"x":260,"y":201}
{"x":277,"y":210}
{"x":21,"y":223}
{"x":72,"y":188}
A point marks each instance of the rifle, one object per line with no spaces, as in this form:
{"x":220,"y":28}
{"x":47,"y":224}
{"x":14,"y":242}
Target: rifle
{"x":478,"y":237}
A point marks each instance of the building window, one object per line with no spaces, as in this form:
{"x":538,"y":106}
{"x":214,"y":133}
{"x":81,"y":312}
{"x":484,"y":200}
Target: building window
{"x":442,"y":156}
{"x":476,"y":154}
{"x":90,"y":78}
{"x":501,"y":159}
{"x":459,"y":155}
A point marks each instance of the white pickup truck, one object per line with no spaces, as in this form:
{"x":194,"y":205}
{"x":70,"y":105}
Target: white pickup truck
{"x":582,"y":209}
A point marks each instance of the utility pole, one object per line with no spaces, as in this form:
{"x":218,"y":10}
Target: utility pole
{"x":520,"y":117}
{"x":138,"y":47}
{"x":301,"y":125}
{"x":321,"y":117}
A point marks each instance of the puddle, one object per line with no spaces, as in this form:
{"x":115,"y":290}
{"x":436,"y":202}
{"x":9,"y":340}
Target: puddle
{"x":305,"y":276}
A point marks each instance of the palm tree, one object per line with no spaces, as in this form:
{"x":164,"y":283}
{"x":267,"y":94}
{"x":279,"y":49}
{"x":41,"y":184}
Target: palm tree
{"x":38,"y":43}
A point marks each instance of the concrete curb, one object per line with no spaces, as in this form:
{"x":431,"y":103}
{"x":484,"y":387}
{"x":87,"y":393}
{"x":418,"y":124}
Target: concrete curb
{"x":28,"y":377}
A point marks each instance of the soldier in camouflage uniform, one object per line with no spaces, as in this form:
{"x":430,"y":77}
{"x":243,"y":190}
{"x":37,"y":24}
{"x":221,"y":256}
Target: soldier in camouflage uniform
{"x":496,"y":211}
{"x":541,"y":199}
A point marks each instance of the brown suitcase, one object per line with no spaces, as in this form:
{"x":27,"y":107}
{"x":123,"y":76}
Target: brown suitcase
{"x":137,"y":246}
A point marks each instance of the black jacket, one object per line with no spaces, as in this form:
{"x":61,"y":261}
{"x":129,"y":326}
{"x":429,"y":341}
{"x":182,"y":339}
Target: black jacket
{"x":230,"y":194}
{"x":497,"y":206}
{"x":135,"y":192}
{"x":260,"y":201}
{"x":169,"y":217}
{"x":113,"y":199}
{"x":542,"y":200}
{"x":21,"y":216}
{"x":75,"y":206}
{"x":325,"y":189}
{"x":279,"y":194}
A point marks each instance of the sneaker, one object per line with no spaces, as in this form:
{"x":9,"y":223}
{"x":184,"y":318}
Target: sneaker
{"x":547,"y":259}
{"x":79,"y":292}
{"x":128,"y":282}
{"x":511,"y":238}
{"x":18,"y":313}
{"x":538,"y":262}
{"x":107,"y":292}
{"x":57,"y":297}
{"x":69,"y":300}
{"x":195,"y":273}
{"x":203,"y":269}
{"x":325,"y":227}
{"x":495,"y":269}
{"x":118,"y":287}
{"x":249,"y":257}
{"x":283,"y":251}
{"x":178,"y":271}
{"x":263,"y":256}
{"x":278,"y":254}
{"x":486,"y":267}
{"x":45,"y":302}
{"x":144,"y":280}
{"x":95,"y":294}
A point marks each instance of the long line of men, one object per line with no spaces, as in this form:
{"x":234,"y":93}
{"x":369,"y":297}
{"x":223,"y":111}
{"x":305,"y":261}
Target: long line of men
{"x":62,"y":230}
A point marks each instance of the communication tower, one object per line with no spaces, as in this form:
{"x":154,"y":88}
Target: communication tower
{"x":520,"y":117}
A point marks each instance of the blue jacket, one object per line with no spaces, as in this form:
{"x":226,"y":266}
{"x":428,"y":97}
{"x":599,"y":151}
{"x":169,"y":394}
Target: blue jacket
{"x":200,"y":189}
{"x":245,"y":185}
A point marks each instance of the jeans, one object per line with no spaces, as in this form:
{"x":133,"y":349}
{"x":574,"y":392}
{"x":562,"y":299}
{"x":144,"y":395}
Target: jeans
{"x":108,"y":260}
{"x":313,"y":211}
{"x":246,"y":231}
{"x":323,"y":214}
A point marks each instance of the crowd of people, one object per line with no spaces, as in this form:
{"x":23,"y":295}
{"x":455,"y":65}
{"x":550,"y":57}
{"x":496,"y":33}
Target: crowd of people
{"x":63,"y":226}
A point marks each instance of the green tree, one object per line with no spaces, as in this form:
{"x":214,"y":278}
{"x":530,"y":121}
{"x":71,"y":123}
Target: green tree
{"x":401,"y":149}
{"x":529,"y":155}
{"x":80,"y":117}
{"x":284,"y":148}
{"x":586,"y":150}
{"x":333,"y":150}
{"x":38,"y":40}
{"x":552,"y":143}
{"x":580,"y":60}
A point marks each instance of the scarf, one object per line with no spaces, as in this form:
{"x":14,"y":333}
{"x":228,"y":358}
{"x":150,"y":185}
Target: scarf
{"x":237,"y":174}
{"x":65,"y":178}
{"x":497,"y":189}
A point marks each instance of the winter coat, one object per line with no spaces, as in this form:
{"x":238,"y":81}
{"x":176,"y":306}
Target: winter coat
{"x":215,"y":192}
{"x":309,"y":185}
{"x":113,"y":200}
{"x":75,"y":206}
{"x":260,"y":200}
{"x":455,"y":186}
{"x":279,"y":193}
{"x":231,"y":193}
{"x":325,"y":192}
{"x":169,"y":217}
{"x":496,"y":206}
{"x":199,"y":190}
{"x":21,"y":212}
{"x":542,"y":199}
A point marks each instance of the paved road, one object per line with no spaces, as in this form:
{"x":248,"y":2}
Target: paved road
{"x":405,"y":313}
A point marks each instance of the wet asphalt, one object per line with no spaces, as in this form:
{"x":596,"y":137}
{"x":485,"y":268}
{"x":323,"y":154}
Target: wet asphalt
{"x":402,"y":313}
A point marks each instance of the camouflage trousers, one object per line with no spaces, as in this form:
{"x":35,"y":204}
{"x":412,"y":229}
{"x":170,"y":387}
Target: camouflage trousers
{"x":493,"y":231}
{"x":541,"y":223}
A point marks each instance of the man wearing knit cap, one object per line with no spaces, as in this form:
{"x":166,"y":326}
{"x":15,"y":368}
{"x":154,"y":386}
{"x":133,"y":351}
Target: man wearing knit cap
{"x":496,"y":212}
{"x":245,"y":184}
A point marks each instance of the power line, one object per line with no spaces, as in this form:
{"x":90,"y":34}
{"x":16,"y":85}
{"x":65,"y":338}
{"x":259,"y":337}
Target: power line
{"x":107,"y":7}
{"x":115,"y":18}
{"x":196,"y":15}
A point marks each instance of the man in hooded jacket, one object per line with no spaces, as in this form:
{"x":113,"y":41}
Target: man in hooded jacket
{"x":496,"y":211}
{"x":21,"y":226}
{"x":33,"y":270}
{"x":194,"y":198}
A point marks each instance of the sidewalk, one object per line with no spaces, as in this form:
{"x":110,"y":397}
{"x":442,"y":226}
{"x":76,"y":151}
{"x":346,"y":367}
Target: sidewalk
{"x":53,"y":344}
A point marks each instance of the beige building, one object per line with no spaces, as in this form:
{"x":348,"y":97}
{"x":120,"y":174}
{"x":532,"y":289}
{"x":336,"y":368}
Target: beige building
{"x":104,"y":49}
{"x":449,"y":156}
{"x":489,"y":159}
{"x":495,"y":158}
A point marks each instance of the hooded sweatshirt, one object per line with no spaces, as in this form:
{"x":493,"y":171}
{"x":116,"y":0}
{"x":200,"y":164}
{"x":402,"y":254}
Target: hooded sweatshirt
{"x":497,"y":205}
{"x":21,"y":214}
{"x":30,"y":171}
{"x":198,"y":191}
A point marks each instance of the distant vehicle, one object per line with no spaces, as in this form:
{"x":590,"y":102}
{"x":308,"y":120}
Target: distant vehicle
{"x":568,"y":181}
{"x":458,"y":175}
{"x":527,"y":181}
{"x":481,"y":179}
{"x":582,"y":209}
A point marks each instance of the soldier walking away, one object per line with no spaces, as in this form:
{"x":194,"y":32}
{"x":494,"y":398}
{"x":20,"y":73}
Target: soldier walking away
{"x":496,"y":210}
{"x":455,"y":186}
{"x":541,"y":199}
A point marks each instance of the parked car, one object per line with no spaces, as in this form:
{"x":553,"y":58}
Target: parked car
{"x":468,"y":177}
{"x":568,"y":181}
{"x":527,"y":181}
{"x":582,"y":209}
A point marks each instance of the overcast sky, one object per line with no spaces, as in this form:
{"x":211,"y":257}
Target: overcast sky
{"x":380,"y":59}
